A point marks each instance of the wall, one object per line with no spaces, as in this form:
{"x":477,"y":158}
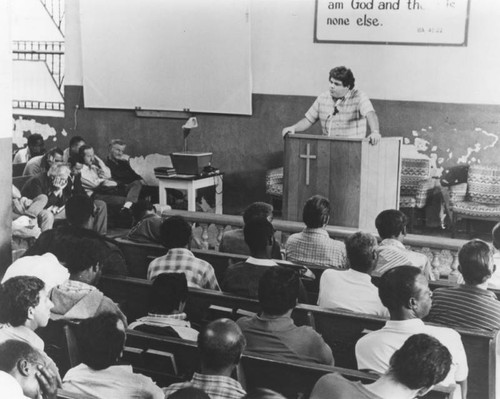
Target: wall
{"x":445,"y":102}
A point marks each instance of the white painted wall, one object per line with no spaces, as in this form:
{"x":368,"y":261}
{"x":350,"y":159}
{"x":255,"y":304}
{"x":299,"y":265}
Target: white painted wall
{"x":286,"y":61}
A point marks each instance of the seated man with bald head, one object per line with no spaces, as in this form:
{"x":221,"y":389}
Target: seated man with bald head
{"x":23,"y":373}
{"x":220,"y":344}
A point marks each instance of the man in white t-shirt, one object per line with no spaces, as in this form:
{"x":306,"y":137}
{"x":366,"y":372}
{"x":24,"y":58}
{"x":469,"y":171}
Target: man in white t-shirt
{"x":404,"y":290}
{"x":352,"y":289}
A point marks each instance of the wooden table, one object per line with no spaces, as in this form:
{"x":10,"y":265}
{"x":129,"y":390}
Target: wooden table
{"x":191,"y":183}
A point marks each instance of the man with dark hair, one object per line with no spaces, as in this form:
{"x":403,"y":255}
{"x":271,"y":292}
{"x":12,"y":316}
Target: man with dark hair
{"x":313,"y":246}
{"x":342,"y":111}
{"x":78,"y":298}
{"x":25,"y":307}
{"x":404,"y":290}
{"x":100,"y":342}
{"x":166,"y":316}
{"x":220,"y":345}
{"x":243,"y":278}
{"x":79,"y":211}
{"x":352,"y":289}
{"x":34,"y":148}
{"x":273,"y":331}
{"x":415,"y":368}
{"x":175,"y":235}
{"x":23,"y":373}
{"x":469,"y":305}
{"x":233,"y":241}
{"x":42,"y":163}
{"x":391,"y":227}
{"x":148,"y":222}
{"x":75,"y":143}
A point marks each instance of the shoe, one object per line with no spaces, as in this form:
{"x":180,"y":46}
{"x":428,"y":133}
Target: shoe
{"x":126,"y":219}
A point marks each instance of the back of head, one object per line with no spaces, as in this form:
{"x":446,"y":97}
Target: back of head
{"x":140,"y":208}
{"x":495,"y":233}
{"x":316,"y":212}
{"x":34,"y":138}
{"x":167,"y":292}
{"x":81,"y":250}
{"x":396,"y":286}
{"x":343,"y":74}
{"x":259,"y":234}
{"x":101,"y":340}
{"x":73,"y":141}
{"x":175,"y":232}
{"x":189,"y":393}
{"x":79,"y":209}
{"x":220,"y":344}
{"x":391,"y":223}
{"x":475,"y":260}
{"x":12,"y":351}
{"x":421,"y":362}
{"x":17,"y":295}
{"x":278,"y":290}
{"x":257,"y":210}
{"x":361,"y":251}
{"x":52,"y":153}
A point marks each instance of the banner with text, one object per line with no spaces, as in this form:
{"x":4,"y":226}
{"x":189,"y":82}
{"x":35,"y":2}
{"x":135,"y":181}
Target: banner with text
{"x":405,"y":22}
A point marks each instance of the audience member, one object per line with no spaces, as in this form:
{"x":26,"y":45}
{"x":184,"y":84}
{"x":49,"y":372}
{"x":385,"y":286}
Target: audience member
{"x":391,"y":227}
{"x":148,"y":222}
{"x":469,"y":305}
{"x":23,"y":373}
{"x":42,"y":163}
{"x":78,"y":298}
{"x":75,"y":143}
{"x":79,"y":210}
{"x":233,"y":241}
{"x":404,"y":290}
{"x":243,"y":278}
{"x":273,"y":332}
{"x":414,"y":369}
{"x":220,"y":345}
{"x":101,"y":340}
{"x":313,"y":246}
{"x":95,"y":175}
{"x":352,"y":289}
{"x":24,"y":307}
{"x":44,"y":266}
{"x":166,"y":316}
{"x":175,"y":235}
{"x":26,"y":211}
{"x":53,"y":184}
{"x":34,"y":148}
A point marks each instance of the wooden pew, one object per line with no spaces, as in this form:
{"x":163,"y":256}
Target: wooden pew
{"x":340,"y":329}
{"x":291,"y":379}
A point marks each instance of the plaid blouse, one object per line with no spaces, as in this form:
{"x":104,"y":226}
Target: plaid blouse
{"x":181,"y":260}
{"x":349,"y":121}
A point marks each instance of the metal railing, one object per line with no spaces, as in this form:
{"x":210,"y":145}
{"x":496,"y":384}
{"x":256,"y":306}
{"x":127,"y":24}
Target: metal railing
{"x":38,"y":105}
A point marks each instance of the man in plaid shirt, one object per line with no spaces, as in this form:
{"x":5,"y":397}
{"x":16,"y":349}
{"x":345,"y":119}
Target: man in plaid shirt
{"x":342,"y":111}
{"x":175,"y":235}
{"x":313,"y":246}
{"x":220,"y":344}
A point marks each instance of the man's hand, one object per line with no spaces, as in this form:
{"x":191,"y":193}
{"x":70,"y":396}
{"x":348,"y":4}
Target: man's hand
{"x":288,"y":130}
{"x":374,"y":138}
{"x":48,"y":383}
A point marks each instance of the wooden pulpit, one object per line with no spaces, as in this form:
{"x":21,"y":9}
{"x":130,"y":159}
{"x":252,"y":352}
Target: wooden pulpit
{"x":358,"y":178}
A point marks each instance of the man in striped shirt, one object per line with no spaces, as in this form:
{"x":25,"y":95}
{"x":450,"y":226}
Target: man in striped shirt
{"x":342,"y":111}
{"x":469,"y":305}
{"x":175,"y":235}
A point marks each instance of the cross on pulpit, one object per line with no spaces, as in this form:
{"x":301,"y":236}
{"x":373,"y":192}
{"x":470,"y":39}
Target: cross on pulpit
{"x":307,"y":156}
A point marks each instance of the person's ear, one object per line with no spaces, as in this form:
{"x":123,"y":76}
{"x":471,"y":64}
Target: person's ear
{"x":412,"y":303}
{"x":31,"y":313}
{"x":23,"y":367}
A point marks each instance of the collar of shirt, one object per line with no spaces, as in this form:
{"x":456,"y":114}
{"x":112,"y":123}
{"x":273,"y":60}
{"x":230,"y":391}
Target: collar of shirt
{"x":364,"y":277}
{"x":475,"y":290}
{"x":319,"y":230}
{"x":206,"y":379}
{"x":25,"y":334}
{"x":392,"y":242}
{"x":179,"y":252}
{"x":281,"y":323}
{"x":405,"y":325}
{"x":261,"y":262}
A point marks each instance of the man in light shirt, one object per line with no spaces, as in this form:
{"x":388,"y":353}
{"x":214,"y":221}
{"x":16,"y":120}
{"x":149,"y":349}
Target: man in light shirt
{"x":352,"y":289}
